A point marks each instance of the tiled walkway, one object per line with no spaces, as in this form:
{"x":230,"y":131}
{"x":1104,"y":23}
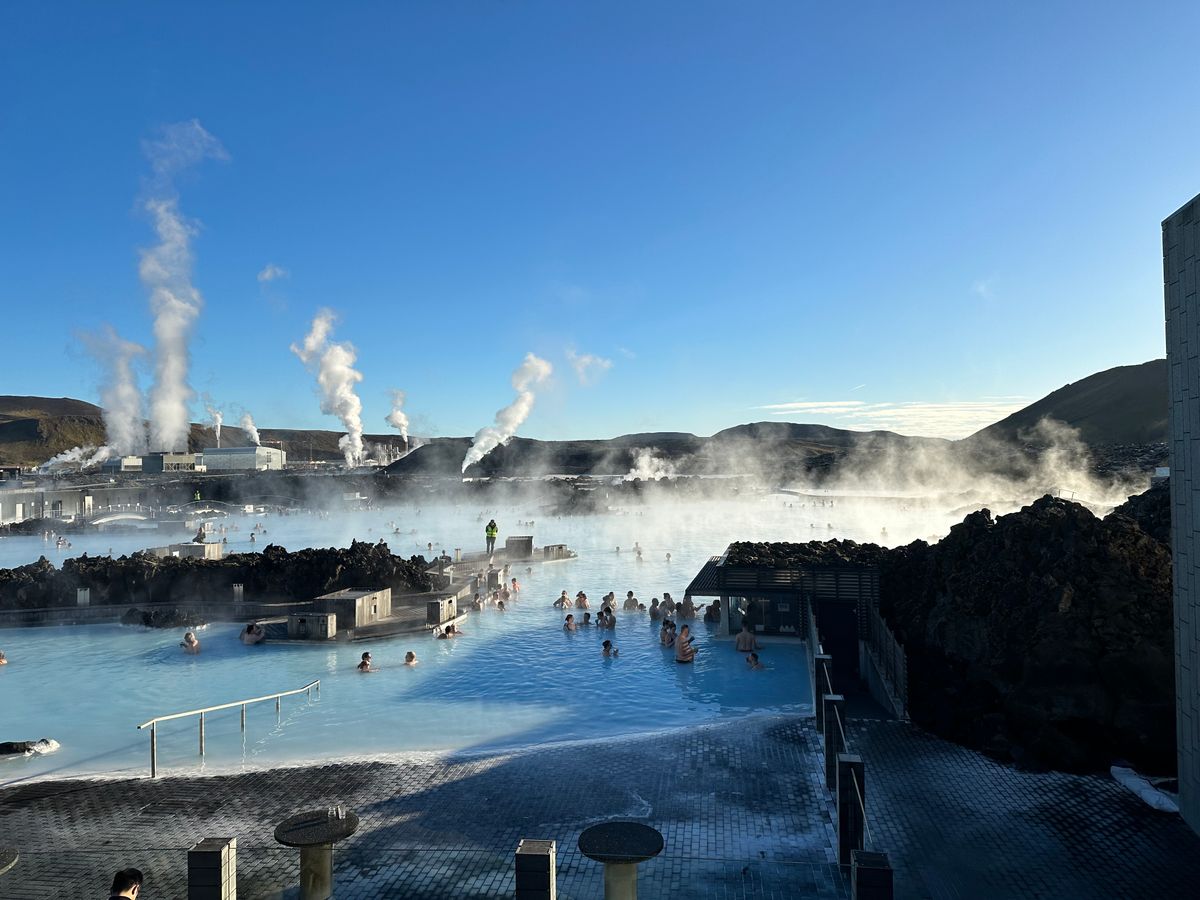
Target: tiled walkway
{"x":741,"y":807}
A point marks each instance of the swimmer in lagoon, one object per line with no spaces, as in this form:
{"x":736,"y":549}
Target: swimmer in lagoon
{"x":190,"y":644}
{"x":630,"y":601}
{"x":253,"y":634}
{"x":684,"y":651}
{"x":410,"y":658}
{"x":499,"y":606}
{"x":365,"y":664}
{"x":439,"y":634}
{"x":745,"y":641}
{"x":563,"y":600}
{"x":587,"y":619}
{"x":753,"y":663}
{"x":3,"y":659}
{"x":569,"y":624}
{"x":516,"y":588}
{"x":666,"y":634}
{"x":581,"y":600}
{"x":607,"y":650}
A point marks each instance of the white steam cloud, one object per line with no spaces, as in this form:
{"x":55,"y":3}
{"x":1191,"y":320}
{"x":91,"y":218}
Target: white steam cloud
{"x":81,"y":457}
{"x":333,"y":365}
{"x":124,"y":427}
{"x":397,"y":417}
{"x":588,"y":368}
{"x":166,"y":272}
{"x":216,"y":417}
{"x":648,"y":466}
{"x":248,"y":426}
{"x":533,"y":371}
{"x":272,"y":272}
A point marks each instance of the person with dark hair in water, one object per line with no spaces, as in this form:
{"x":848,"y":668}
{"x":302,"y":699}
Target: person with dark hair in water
{"x":365,"y":664}
{"x":569,"y":624}
{"x":126,"y":885}
{"x":608,"y":650}
{"x":630,"y":601}
{"x":684,"y":651}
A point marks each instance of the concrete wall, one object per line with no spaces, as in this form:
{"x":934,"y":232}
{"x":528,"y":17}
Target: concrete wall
{"x":1181,"y":235}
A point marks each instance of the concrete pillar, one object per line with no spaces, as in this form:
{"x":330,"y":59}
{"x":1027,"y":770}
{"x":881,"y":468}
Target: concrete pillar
{"x":835,"y":711}
{"x":212,"y":870}
{"x":620,"y":881}
{"x":316,"y":872}
{"x":870,"y":875}
{"x":536,"y":870}
{"x":822,"y":662}
{"x":850,"y":819}
{"x":83,"y":596}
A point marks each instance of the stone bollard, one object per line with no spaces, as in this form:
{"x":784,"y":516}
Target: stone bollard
{"x":835,"y":709}
{"x":823,"y":663}
{"x":870,"y":875}
{"x":534,"y":862}
{"x":850,"y":820}
{"x":212,"y":870}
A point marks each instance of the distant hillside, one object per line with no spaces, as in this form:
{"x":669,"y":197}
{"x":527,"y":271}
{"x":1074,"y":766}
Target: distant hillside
{"x":1125,"y":405}
{"x":1122,"y":406}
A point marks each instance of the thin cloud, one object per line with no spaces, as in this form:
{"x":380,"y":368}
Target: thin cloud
{"x":588,"y":367}
{"x":982,"y":287}
{"x":272,"y":272}
{"x":857,"y":387}
{"x":950,"y":419}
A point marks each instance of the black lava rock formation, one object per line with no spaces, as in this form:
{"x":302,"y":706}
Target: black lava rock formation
{"x":273,"y":575}
{"x":1043,"y":637}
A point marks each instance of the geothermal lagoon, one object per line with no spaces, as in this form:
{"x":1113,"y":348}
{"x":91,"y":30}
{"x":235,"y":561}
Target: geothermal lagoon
{"x":514,"y":679}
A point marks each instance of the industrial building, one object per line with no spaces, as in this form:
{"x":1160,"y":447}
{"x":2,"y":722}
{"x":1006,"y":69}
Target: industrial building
{"x":122,"y":464}
{"x":157,"y":463}
{"x":243,"y":459}
{"x":1181,"y":238}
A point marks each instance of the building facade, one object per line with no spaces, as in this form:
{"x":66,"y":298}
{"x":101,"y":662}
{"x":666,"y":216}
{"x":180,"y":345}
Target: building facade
{"x":1181,"y":237}
{"x":243,"y":459}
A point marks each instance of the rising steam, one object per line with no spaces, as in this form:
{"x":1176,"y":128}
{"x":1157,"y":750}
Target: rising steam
{"x":648,"y":466}
{"x":397,"y":417}
{"x":531,"y":372}
{"x":216,"y":417}
{"x":166,"y":272}
{"x":124,"y":427}
{"x":248,"y":426}
{"x":333,"y":364}
{"x":81,"y":457}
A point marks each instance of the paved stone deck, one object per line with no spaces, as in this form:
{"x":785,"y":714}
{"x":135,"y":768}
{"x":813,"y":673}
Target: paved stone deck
{"x":741,"y":806}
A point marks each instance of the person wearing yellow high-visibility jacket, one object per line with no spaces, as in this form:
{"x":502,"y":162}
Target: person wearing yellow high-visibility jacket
{"x":491,"y":532}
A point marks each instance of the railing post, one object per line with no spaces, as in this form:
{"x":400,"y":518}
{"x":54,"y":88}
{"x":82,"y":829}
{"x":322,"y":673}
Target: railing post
{"x":850,"y":819}
{"x":154,"y":750}
{"x":243,"y":717}
{"x":201,"y":734}
{"x":870,"y":875}
{"x":277,"y":707}
{"x":824,"y":662}
{"x":834,"y":711}
{"x":535,"y":869}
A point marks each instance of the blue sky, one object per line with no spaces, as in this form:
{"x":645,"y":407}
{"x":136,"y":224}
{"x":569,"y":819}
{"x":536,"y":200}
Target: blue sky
{"x":740,"y":206}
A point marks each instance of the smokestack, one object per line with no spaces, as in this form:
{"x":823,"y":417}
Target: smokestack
{"x":333,"y":365}
{"x":533,"y":371}
{"x":166,"y":272}
{"x":248,"y":426}
{"x":120,"y":398}
{"x":397,"y":419}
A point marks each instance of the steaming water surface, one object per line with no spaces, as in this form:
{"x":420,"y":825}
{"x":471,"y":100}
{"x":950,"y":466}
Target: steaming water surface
{"x":513,"y":679}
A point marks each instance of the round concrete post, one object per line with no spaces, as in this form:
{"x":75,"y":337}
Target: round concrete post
{"x":620,"y":881}
{"x":316,"y":872}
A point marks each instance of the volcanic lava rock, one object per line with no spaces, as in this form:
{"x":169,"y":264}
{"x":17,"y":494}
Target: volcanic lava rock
{"x":275,"y":574}
{"x":162,"y":617}
{"x":1043,"y":637}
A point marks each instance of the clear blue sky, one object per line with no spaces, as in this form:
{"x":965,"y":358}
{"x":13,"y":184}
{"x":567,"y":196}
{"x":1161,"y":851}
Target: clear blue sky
{"x":739,"y":204}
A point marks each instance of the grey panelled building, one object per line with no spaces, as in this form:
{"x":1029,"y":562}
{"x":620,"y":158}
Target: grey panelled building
{"x":1181,"y":237}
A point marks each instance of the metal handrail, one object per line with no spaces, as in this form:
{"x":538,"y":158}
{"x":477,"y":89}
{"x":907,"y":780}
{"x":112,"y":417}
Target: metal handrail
{"x":153,"y":723}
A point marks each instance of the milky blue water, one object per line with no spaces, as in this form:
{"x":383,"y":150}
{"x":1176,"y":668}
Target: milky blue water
{"x":514,"y":679}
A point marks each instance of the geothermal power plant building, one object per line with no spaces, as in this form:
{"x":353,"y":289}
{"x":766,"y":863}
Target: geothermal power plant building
{"x":1181,"y":238}
{"x":243,"y":459}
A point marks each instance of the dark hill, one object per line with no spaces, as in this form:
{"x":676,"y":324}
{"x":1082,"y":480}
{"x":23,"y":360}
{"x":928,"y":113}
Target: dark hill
{"x":1125,"y":405}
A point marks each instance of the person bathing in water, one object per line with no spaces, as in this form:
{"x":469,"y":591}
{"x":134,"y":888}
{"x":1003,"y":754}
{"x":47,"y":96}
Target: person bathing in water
{"x":569,"y":624}
{"x":410,"y":658}
{"x":608,"y":651}
{"x":253,"y":634}
{"x":563,"y":601}
{"x":745,"y":641}
{"x":364,"y":664}
{"x":753,"y":663}
{"x":684,"y":651}
{"x":190,"y":644}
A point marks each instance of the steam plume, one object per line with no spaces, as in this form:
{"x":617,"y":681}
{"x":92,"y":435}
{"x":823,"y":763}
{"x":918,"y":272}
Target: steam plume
{"x":397,"y":418}
{"x":85,"y":456}
{"x":531,"y":372}
{"x":166,"y":272}
{"x":124,"y":427}
{"x":248,"y":426}
{"x":217,"y":418}
{"x":333,"y":364}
